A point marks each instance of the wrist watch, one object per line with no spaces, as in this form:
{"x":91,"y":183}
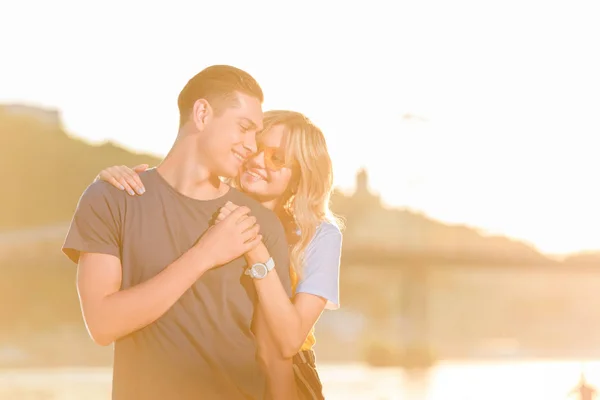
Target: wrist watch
{"x":260,"y":270}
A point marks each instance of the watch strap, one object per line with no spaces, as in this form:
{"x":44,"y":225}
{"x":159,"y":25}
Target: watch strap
{"x":270,"y":264}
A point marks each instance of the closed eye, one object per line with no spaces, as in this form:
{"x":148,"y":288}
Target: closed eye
{"x":246,"y":124}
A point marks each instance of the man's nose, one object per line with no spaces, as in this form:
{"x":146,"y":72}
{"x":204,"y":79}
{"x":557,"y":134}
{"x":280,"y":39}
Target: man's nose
{"x":250,"y":142}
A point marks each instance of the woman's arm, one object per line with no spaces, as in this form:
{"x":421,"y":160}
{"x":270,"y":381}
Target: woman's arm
{"x":278,"y":369}
{"x":289,"y":322}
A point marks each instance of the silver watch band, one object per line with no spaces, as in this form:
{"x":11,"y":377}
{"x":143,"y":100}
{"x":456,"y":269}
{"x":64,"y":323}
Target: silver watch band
{"x":260,"y":270}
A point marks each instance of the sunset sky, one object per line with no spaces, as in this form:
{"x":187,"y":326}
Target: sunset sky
{"x":473,"y":112}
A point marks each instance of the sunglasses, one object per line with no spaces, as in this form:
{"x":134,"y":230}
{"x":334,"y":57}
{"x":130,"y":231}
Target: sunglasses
{"x":274,"y":159}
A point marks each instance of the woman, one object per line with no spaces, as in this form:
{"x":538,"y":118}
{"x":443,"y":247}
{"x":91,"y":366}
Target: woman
{"x":292,"y":175}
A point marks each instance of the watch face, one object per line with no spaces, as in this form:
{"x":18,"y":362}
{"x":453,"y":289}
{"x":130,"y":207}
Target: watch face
{"x":259,"y":271}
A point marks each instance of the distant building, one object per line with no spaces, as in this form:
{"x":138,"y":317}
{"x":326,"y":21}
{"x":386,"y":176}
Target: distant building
{"x":363,"y":195}
{"x":370,"y":224}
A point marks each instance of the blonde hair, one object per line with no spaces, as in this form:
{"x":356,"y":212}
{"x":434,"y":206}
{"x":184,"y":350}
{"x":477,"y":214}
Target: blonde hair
{"x":306,"y":202}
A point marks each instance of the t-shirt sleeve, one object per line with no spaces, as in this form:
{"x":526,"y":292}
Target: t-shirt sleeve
{"x":96,"y":224}
{"x":277,"y":245}
{"x":321,"y":271}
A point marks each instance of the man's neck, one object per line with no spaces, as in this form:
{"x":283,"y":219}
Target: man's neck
{"x":184,"y":169}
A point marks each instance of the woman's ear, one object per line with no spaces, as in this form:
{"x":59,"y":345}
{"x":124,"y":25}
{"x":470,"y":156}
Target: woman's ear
{"x":293,"y":189}
{"x":294,"y":184}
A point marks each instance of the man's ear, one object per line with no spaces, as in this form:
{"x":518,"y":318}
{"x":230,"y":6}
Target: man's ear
{"x":201,"y":113}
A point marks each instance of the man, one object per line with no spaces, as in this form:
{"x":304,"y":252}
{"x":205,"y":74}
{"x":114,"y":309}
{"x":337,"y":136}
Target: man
{"x":165,"y":285}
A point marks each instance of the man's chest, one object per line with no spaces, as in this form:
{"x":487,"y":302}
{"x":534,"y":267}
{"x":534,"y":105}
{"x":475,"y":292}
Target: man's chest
{"x":155,"y":234}
{"x":149,"y":253}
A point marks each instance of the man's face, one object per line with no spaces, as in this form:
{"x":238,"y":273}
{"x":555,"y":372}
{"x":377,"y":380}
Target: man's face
{"x":231,"y":136}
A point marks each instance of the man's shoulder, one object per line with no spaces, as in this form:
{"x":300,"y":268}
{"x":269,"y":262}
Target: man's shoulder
{"x":258,"y":210}
{"x":149,"y":177}
{"x":103,"y":191}
{"x":270,"y":225}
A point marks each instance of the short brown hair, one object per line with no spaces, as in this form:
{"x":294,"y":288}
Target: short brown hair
{"x":218,"y":85}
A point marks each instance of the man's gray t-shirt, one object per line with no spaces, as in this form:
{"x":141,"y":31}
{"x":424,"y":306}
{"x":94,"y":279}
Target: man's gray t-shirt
{"x":203,"y":347}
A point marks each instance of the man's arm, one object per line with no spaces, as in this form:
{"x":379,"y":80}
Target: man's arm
{"x":110,"y":313}
{"x":278,"y":370}
{"x":93,"y":242}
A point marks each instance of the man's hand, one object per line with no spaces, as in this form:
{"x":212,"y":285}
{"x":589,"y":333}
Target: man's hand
{"x":259,"y":252}
{"x":232,"y":236}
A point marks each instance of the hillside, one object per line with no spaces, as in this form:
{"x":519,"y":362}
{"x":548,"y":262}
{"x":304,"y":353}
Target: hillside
{"x":585,"y":258}
{"x":44,"y":171}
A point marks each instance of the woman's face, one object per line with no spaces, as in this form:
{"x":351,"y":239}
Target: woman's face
{"x":265,"y":175}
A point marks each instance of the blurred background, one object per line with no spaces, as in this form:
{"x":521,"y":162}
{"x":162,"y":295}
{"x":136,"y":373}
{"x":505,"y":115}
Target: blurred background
{"x":463,"y":140}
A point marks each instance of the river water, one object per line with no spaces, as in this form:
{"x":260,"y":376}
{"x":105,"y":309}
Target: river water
{"x":449,"y":381}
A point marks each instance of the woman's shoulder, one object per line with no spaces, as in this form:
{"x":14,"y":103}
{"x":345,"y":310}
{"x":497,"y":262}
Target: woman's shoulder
{"x":327,"y":234}
{"x":328,"y":228}
{"x":321,"y":272}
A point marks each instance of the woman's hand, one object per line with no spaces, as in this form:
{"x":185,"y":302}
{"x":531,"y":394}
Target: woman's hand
{"x":124,"y":178}
{"x":227,"y":209}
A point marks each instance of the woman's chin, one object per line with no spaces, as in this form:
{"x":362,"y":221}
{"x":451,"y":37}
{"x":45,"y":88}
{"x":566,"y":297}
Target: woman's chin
{"x":249,"y":186}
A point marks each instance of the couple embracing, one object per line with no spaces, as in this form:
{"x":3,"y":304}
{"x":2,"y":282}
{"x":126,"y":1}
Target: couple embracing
{"x":209,"y":271}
